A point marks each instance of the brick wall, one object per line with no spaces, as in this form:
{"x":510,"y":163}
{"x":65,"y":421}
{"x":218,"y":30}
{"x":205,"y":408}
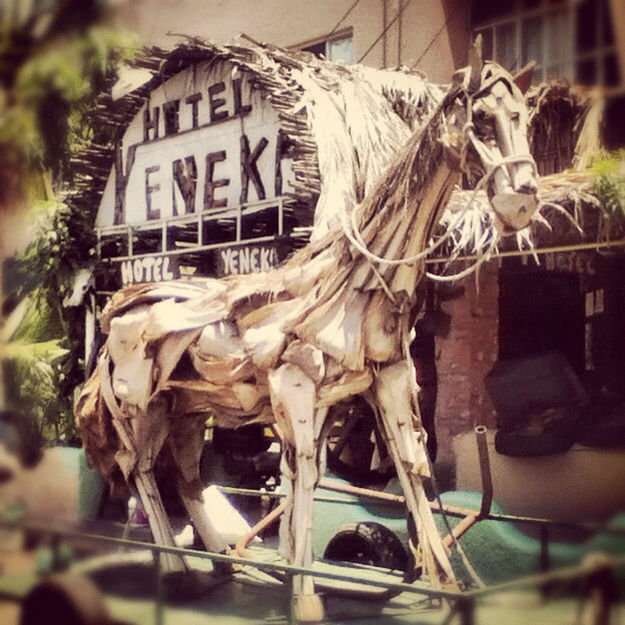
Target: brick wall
{"x":465,"y":356}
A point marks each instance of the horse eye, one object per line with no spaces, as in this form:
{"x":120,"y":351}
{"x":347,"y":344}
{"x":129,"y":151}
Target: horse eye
{"x":516,"y":116}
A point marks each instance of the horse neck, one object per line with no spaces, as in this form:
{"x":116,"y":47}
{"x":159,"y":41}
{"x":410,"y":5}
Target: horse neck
{"x":397,"y":220}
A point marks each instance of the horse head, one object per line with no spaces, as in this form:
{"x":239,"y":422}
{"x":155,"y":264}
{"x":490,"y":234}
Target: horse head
{"x":487,"y":130}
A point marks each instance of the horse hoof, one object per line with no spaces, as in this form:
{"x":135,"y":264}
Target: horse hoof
{"x":307,"y":609}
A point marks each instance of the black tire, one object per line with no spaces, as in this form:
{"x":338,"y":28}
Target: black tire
{"x":65,"y":598}
{"x":367,"y":543}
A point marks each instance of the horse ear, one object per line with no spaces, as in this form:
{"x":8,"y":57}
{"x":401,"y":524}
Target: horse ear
{"x":475,"y":63}
{"x":523,"y":78}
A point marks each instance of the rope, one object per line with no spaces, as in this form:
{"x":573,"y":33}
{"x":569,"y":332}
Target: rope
{"x":486,"y":255}
{"x":351,"y":8}
{"x":357,"y":241}
{"x":469,"y":270}
{"x":355,"y":238}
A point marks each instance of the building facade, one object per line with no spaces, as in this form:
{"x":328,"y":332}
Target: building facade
{"x":432,"y":35}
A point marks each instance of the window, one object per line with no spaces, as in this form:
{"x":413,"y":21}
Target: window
{"x":596,"y":60}
{"x":339,"y":49}
{"x":568,"y":38}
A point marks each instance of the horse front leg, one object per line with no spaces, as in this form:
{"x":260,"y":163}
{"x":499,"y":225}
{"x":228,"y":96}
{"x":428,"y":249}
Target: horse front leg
{"x":407,"y":446}
{"x":293,"y":401}
{"x":142,"y":434}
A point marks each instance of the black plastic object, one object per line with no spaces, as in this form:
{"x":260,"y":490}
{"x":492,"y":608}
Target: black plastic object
{"x":553,"y":437}
{"x":523,"y":388}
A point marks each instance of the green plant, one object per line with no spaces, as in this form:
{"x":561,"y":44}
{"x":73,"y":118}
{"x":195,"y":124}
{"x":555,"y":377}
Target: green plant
{"x":609,"y":186}
{"x":43,"y":350}
{"x":31,"y":362}
{"x":56,"y":57}
{"x":54,"y":61}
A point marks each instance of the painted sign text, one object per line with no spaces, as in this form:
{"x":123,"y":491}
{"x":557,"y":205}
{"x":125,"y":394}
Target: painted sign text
{"x":149,"y":269}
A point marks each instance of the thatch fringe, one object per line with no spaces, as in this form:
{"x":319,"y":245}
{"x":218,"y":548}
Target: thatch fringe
{"x":569,"y":213}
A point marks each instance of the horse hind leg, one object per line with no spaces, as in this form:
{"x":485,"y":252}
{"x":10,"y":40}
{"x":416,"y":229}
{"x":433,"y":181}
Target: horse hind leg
{"x":293,"y":402}
{"x":148,"y":492}
{"x":186,"y":441}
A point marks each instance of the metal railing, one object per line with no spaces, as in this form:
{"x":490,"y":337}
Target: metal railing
{"x":461,"y":603}
{"x":168,"y":227}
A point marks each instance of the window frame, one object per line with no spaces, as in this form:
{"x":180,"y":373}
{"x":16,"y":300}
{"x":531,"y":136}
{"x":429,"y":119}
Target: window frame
{"x":570,"y":56}
{"x":326,"y":40}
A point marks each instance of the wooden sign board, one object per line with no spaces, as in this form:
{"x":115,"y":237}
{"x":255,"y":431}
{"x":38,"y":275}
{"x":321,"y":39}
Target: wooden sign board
{"x":204,"y":140}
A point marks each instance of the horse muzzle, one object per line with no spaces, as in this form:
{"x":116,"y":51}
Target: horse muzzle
{"x":513,"y":210}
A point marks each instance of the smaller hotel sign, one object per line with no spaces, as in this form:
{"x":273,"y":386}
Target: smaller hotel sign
{"x":149,"y":269}
{"x":246,"y":259}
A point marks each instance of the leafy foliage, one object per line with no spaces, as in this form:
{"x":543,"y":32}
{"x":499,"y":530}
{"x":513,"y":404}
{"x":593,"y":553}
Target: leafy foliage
{"x":52,"y":66}
{"x":44,"y":349}
{"x":33,"y":362}
{"x":609,"y":182}
{"x":56,"y":56}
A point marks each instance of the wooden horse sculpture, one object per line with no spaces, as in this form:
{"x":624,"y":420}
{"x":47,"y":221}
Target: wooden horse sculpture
{"x":332,"y":321}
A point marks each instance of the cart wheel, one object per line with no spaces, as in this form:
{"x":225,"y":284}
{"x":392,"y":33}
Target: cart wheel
{"x":65,"y":598}
{"x":367,"y":543}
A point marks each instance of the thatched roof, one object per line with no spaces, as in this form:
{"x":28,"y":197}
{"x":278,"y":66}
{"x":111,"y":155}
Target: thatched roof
{"x":563,"y":127}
